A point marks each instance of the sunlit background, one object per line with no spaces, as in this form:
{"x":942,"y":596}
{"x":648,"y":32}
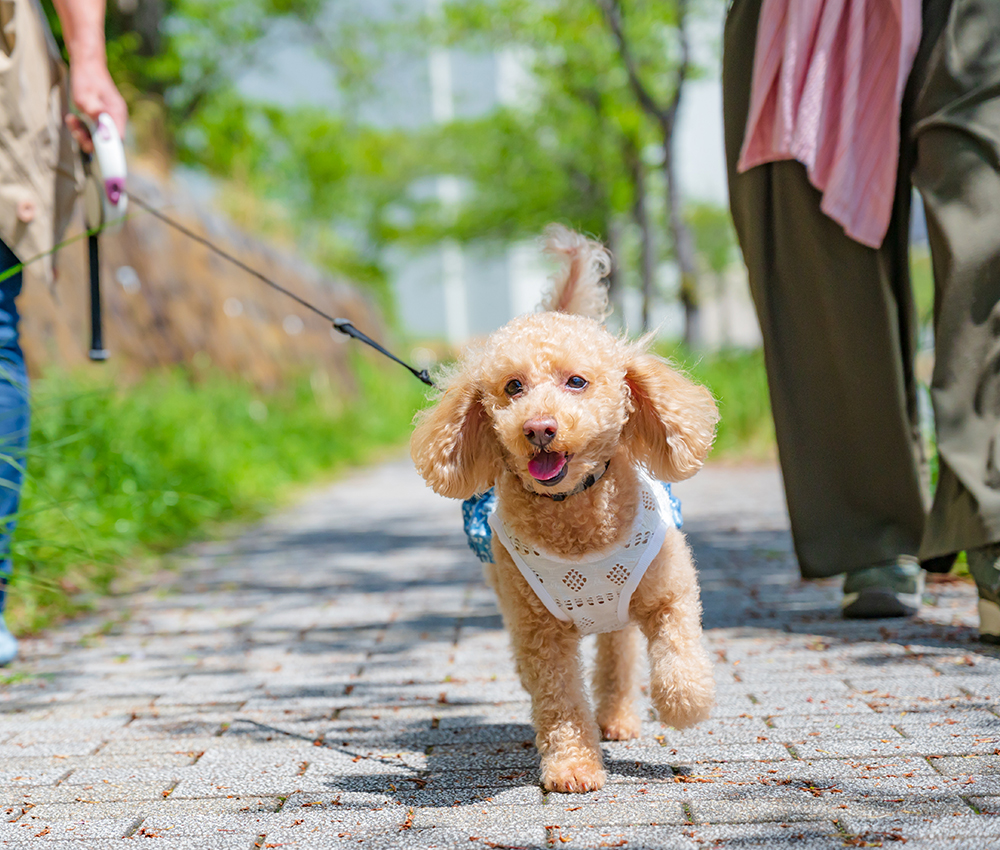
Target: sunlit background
{"x":393,"y":163}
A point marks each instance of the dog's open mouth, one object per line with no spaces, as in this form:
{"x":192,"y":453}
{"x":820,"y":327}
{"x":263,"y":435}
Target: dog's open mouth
{"x":548,"y":468}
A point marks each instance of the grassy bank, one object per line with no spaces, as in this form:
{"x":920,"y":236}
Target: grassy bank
{"x":116,"y":476}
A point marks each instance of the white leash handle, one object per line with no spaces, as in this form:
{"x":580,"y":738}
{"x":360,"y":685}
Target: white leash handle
{"x":106,"y":200}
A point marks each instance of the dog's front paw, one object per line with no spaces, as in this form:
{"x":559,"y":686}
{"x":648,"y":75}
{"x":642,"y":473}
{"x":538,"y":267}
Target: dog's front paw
{"x":682,"y":691}
{"x":573,"y":774}
{"x":683,"y":710}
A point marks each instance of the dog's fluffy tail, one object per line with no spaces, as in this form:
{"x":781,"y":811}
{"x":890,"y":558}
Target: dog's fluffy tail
{"x":578,"y":287}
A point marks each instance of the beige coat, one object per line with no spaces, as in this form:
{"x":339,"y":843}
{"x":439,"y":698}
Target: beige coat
{"x":39,"y":163}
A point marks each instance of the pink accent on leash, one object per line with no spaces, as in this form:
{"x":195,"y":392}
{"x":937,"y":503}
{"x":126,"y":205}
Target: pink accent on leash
{"x":114,"y":187}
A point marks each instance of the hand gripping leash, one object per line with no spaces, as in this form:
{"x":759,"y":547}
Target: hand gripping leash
{"x":106,"y":199}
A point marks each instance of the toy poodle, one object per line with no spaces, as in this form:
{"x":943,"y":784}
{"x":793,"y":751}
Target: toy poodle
{"x":571,"y":425}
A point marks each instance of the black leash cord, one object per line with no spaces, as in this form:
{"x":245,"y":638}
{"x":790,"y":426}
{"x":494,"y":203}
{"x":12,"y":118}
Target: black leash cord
{"x":342,"y":325}
{"x":345,"y":327}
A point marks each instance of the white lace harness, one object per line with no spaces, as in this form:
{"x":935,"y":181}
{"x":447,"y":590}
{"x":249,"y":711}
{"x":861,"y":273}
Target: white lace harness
{"x":594,"y":591}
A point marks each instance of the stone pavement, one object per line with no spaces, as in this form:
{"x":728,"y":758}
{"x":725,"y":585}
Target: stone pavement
{"x":338,"y":677}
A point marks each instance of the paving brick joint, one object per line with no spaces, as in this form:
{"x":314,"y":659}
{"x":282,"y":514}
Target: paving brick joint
{"x":338,"y":676}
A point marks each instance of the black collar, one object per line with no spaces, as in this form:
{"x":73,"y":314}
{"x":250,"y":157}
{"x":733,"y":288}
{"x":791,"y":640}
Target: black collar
{"x":586,"y":484}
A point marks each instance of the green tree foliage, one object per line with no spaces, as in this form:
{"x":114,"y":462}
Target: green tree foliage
{"x":609,"y":76}
{"x":558,"y":152}
{"x":589,"y":141}
{"x":582,"y":132}
{"x":714,"y":237}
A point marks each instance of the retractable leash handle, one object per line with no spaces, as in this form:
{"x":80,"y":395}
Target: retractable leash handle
{"x":98,"y":353}
{"x":108,"y":174}
{"x":105,"y":203}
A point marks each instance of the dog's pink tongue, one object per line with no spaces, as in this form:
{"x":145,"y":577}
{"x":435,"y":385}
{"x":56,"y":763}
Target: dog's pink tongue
{"x":546,"y":465}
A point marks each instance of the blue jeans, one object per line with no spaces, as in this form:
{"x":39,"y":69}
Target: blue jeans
{"x":14,"y":412}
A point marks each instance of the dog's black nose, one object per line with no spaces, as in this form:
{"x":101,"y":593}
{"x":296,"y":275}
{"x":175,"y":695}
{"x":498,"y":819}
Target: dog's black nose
{"x":541,"y":431}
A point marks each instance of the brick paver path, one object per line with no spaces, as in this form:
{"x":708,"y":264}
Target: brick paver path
{"x":338,"y":677}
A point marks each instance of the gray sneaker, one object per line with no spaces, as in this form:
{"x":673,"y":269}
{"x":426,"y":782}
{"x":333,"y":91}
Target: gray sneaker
{"x":984,"y":567}
{"x":894,"y":589}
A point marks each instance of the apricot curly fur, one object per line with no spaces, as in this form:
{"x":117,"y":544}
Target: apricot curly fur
{"x":634,"y":410}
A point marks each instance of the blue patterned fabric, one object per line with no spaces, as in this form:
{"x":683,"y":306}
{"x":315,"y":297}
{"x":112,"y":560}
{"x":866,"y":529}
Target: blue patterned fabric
{"x":476,"y":513}
{"x":475,"y":516}
{"x":675,"y":506}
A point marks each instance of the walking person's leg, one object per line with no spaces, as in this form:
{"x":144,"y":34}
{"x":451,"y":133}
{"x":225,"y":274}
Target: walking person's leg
{"x":14,"y":424}
{"x":957,"y":134}
{"x":838,"y":324}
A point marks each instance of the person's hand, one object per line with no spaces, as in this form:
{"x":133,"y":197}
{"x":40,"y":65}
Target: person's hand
{"x":93,"y":92}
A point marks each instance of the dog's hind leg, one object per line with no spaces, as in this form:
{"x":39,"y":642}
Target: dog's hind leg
{"x":616,"y":683}
{"x":547,"y":654}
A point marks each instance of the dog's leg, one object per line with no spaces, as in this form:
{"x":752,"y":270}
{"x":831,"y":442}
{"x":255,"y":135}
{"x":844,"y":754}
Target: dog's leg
{"x":566,"y":735}
{"x":616,"y":684}
{"x":668,"y":609}
{"x":547,"y":654}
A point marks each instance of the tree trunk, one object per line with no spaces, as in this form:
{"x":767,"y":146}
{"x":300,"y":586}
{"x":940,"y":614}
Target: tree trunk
{"x":684,"y":253}
{"x":144,"y":17}
{"x":665,"y":116}
{"x":640,"y":215}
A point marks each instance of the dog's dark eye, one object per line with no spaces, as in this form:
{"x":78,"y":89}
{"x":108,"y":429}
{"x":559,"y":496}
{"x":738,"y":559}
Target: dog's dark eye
{"x":514,"y":387}
{"x":576,"y":383}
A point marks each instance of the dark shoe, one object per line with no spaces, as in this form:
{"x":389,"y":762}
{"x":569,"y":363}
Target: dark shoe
{"x":984,"y":566}
{"x":895,"y":589}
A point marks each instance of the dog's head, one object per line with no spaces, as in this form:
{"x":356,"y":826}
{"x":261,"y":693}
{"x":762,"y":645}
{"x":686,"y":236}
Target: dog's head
{"x":553,"y":397}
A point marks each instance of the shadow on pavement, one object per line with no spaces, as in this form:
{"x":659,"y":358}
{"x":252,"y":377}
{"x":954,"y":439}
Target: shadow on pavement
{"x":750,"y":580}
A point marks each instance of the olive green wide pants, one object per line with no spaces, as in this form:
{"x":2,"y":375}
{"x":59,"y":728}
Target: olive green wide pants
{"x":838,"y":318}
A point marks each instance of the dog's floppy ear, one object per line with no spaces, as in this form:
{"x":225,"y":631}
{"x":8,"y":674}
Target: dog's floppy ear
{"x":672,"y":423}
{"x":453,"y":445}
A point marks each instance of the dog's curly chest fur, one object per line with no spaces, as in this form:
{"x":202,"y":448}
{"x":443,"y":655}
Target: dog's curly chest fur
{"x":592,"y":521}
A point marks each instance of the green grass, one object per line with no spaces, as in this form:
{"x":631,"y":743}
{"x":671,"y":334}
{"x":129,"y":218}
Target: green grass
{"x":117,"y":476}
{"x":737,"y":380}
{"x":922,"y":281}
